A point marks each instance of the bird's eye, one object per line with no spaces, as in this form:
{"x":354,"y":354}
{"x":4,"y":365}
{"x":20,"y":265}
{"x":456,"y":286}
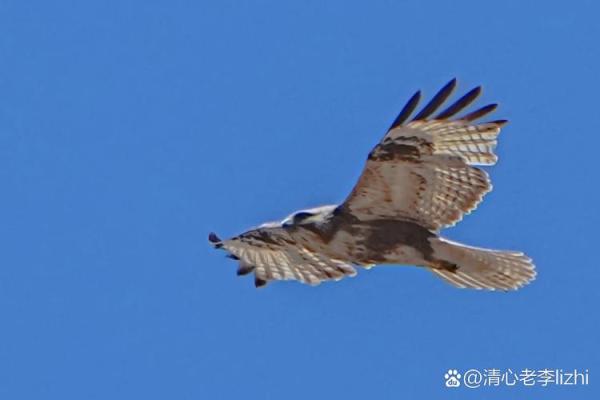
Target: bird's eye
{"x":301,"y":216}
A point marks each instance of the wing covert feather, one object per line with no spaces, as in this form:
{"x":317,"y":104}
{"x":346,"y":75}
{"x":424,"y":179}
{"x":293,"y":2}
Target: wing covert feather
{"x":424,"y":170}
{"x":273,"y":254}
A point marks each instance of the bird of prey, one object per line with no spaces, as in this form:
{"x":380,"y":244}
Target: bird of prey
{"x":421,"y":177}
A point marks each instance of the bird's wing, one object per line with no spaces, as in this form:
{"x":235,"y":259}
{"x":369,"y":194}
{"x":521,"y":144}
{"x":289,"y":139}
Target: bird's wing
{"x":423,"y":170}
{"x":273,"y":254}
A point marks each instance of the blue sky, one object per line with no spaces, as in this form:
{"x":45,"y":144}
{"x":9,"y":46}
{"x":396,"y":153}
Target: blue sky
{"x":130,"y":129}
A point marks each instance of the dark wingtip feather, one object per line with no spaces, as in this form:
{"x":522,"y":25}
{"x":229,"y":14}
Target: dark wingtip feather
{"x":483,"y":111}
{"x":499,"y":122}
{"x":232,"y":256}
{"x":258,"y":282}
{"x":244,"y":269}
{"x":407,"y":110}
{"x":460,"y":104}
{"x":214,"y":239}
{"x":436,"y":101}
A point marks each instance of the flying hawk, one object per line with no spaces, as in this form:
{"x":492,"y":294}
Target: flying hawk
{"x":420,"y":178}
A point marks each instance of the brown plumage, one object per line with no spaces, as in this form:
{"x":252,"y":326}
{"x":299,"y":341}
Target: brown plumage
{"x":420,"y":178}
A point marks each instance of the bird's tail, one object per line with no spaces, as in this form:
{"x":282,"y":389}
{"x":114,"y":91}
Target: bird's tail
{"x":476,"y":268}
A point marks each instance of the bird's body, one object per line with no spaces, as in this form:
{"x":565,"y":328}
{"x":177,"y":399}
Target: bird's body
{"x":418,"y":179}
{"x":366,"y":243}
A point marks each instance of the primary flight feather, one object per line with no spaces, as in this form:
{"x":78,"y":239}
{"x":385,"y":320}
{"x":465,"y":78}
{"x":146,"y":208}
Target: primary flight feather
{"x":421,"y":177}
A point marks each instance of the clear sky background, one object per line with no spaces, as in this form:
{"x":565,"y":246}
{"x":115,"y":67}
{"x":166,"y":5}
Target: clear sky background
{"x":130,"y":129}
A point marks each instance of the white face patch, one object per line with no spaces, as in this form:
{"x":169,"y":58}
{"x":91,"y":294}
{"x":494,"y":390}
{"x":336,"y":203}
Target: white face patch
{"x":315,"y":215}
{"x":274,"y":224}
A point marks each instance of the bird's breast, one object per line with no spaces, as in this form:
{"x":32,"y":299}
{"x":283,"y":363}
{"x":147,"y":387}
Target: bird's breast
{"x":375,"y":242}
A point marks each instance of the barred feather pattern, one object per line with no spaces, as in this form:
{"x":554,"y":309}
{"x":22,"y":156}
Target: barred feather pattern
{"x":436,"y":190}
{"x":425,"y":170}
{"x":453,"y":192}
{"x":483,"y":268}
{"x":272,"y":254}
{"x":473,"y":143}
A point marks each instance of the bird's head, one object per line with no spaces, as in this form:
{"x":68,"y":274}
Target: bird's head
{"x":317,"y":215}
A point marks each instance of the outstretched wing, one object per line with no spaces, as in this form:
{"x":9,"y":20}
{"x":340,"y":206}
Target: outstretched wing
{"x":273,"y":254}
{"x":423,"y":170}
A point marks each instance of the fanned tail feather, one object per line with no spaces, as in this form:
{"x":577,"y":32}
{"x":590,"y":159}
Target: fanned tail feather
{"x":471,"y":267}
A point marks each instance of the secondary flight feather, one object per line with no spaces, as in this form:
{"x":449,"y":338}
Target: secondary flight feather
{"x":423,"y":176}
